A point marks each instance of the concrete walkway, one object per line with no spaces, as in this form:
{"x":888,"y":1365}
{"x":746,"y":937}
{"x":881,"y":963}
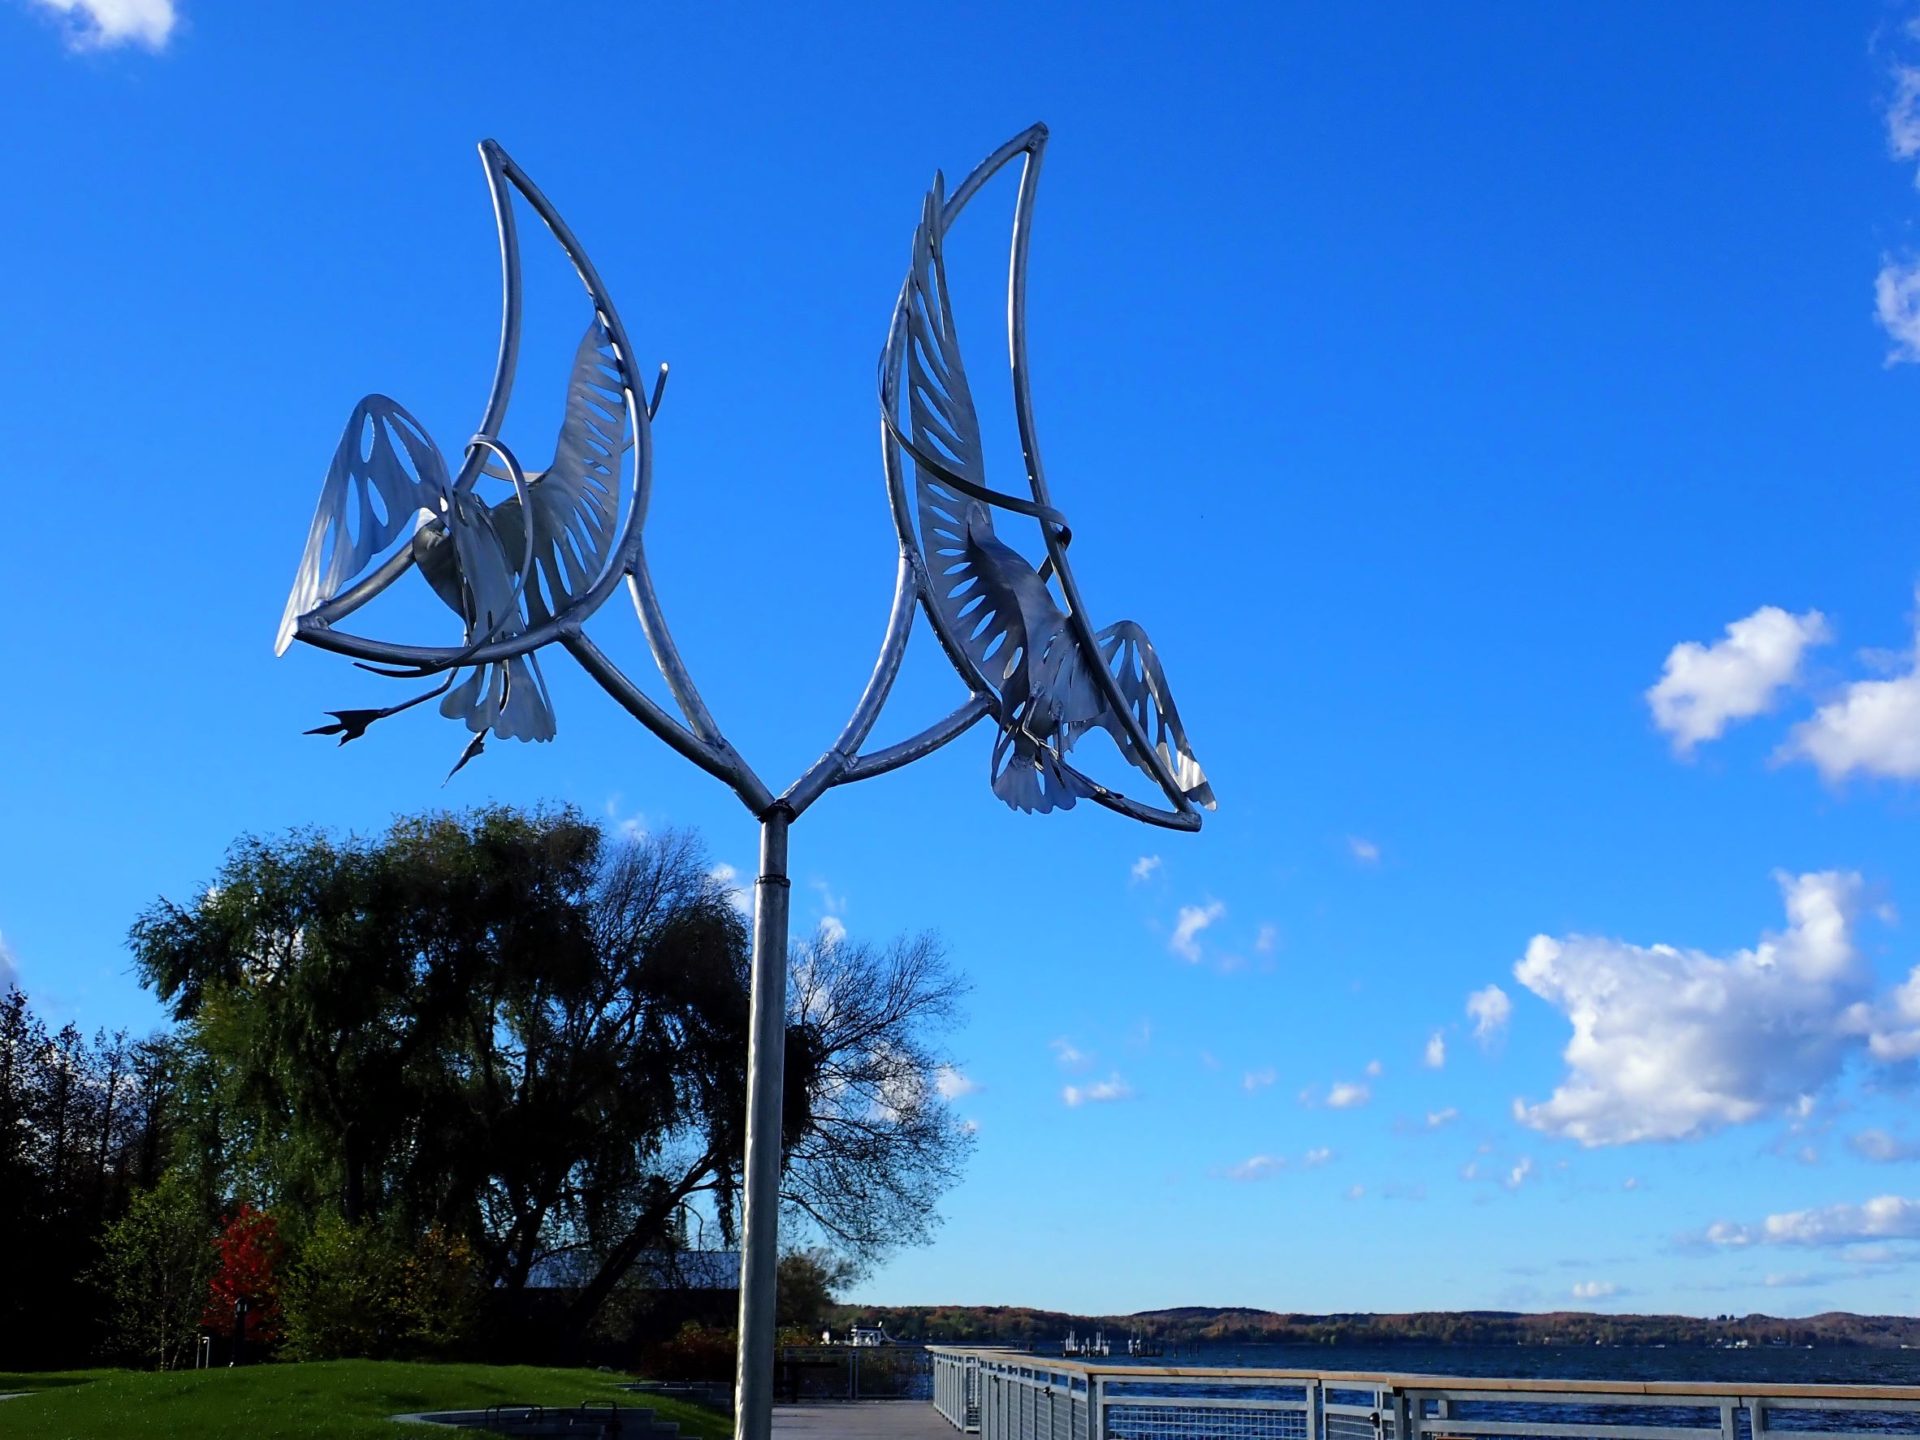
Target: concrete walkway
{"x":869,"y":1420}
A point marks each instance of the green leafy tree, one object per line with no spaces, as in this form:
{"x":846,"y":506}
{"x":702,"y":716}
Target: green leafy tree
{"x":156,"y":1263}
{"x":344,"y":1296}
{"x":511,"y":1027}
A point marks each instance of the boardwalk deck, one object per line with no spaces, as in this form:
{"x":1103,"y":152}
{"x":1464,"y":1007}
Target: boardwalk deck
{"x":868,"y":1420}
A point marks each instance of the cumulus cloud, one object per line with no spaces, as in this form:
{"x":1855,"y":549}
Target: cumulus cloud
{"x":832,"y":930}
{"x":1187,"y":926}
{"x":1896,"y":305}
{"x":1671,"y":1044}
{"x":103,"y":24}
{"x":952,"y":1083}
{"x":1265,"y":939}
{"x":1704,"y":688}
{"x":1595,"y":1290}
{"x":1257,"y":1167}
{"x":1100,"y":1093}
{"x":1885,"y":1217}
{"x":1363,"y":850}
{"x":1317,"y":1157}
{"x":1435,"y":1054}
{"x":1489,"y":1009}
{"x":1517,"y":1176}
{"x":1895,"y":1033}
{"x":1142,"y":869}
{"x":1871,"y":728}
{"x":1438,"y":1119}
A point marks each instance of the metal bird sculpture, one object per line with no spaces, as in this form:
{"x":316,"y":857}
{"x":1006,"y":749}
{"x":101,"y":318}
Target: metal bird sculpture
{"x":515,"y":569}
{"x":1017,"y":632}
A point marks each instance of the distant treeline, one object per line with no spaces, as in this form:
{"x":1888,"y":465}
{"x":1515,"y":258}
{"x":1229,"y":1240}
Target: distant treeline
{"x":1198,"y":1325}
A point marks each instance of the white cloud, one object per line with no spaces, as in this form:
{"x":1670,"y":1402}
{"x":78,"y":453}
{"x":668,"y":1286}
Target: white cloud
{"x":1470,"y":1171}
{"x":1100,"y":1093}
{"x":1348,"y":1095}
{"x":1143,"y":869}
{"x":832,"y":930}
{"x":1885,"y":1217}
{"x":1363,"y":850}
{"x":1317,"y":1157}
{"x":1882,"y":1148}
{"x":1437,"y":1119}
{"x":1895,"y":1026}
{"x":1903,"y":113}
{"x":1490,"y":1009}
{"x":728,"y":879}
{"x":1896,"y":305}
{"x":1632,"y":1182}
{"x":1873,"y":728}
{"x":1257,"y":1080}
{"x":1705,"y":687}
{"x":952,"y":1083}
{"x":1266,"y":939}
{"x":1375,"y":1069}
{"x":1672,"y":1044}
{"x":1355,"y":1192}
{"x":102,"y":24}
{"x":1187,"y":926}
{"x":1595,"y":1290}
{"x":1517,"y":1176}
{"x":9,"y":972}
{"x":1435,"y":1054}
{"x":1070,"y":1056}
{"x":1257,"y":1167}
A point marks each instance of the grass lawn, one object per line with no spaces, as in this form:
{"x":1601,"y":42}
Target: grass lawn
{"x":347,"y":1398}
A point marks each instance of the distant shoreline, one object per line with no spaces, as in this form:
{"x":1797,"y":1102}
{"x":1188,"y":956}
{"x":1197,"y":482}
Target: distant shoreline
{"x":1234,"y":1325}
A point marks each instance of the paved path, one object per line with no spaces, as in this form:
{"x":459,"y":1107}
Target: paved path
{"x":872,"y":1420}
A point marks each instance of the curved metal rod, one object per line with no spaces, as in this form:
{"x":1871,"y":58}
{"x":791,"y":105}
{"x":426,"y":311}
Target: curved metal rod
{"x":358,"y":594}
{"x":720,"y":761}
{"x":952,"y":727}
{"x":834,"y":765}
{"x":1029,"y":143}
{"x":494,"y":160}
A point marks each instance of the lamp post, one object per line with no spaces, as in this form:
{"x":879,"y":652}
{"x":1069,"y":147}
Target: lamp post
{"x":525,"y":570}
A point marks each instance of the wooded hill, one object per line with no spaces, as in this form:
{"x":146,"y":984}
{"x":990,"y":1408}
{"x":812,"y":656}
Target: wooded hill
{"x":1200,"y":1324}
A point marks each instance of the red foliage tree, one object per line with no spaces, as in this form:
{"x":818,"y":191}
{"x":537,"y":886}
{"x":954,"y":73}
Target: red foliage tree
{"x":250,"y":1251}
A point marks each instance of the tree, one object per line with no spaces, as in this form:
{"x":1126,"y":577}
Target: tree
{"x":808,"y":1279}
{"x":156,"y":1263}
{"x":243,"y":1298}
{"x":530,"y":1035}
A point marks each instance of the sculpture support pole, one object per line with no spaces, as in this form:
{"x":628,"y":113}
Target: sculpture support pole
{"x":766,"y":1064}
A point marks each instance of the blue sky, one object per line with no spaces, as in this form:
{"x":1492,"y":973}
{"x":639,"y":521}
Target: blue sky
{"x":1496,"y":414}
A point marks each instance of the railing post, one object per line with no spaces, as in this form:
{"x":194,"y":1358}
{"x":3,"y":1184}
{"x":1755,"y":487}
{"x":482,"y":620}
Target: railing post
{"x":1729,"y":1424}
{"x":1314,"y":1398}
{"x":1096,"y":1407}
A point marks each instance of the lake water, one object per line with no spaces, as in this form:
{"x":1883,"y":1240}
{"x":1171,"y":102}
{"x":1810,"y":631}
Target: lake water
{"x":1766,"y":1365}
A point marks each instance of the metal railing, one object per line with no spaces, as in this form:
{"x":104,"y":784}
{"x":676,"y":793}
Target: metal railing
{"x":1007,"y":1395}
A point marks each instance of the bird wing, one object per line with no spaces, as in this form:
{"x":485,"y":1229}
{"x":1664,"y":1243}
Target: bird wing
{"x":575,"y":501}
{"x":386,"y":471}
{"x":945,"y":446}
{"x":1131,"y":660}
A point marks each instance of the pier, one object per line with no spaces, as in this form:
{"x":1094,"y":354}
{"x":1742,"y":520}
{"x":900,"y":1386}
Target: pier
{"x":1003,"y":1394}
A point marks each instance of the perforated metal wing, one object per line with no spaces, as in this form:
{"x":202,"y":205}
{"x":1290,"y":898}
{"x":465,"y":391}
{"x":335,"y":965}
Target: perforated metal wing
{"x":386,"y":473}
{"x":575,"y":501}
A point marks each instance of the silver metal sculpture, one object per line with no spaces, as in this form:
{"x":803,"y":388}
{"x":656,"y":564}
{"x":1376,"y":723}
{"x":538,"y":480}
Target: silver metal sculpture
{"x":529,"y":566}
